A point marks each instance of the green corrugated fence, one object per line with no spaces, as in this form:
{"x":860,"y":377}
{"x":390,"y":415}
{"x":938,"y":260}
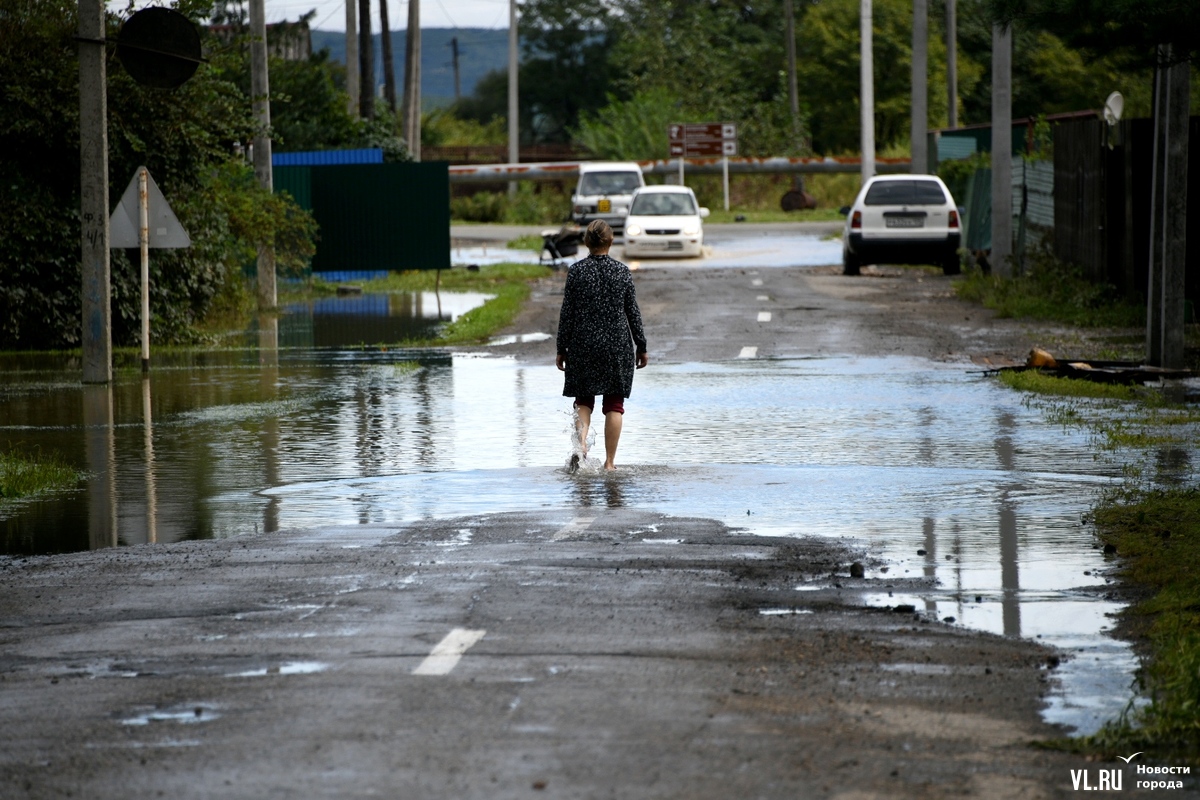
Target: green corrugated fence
{"x":375,"y":216}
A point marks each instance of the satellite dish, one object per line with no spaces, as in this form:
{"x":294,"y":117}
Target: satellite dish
{"x":1113,"y":107}
{"x":159,"y":47}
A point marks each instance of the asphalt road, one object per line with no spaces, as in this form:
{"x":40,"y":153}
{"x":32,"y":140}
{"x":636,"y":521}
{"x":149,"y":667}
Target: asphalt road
{"x":599,"y":651}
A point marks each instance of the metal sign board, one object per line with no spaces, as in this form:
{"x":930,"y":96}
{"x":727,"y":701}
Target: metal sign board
{"x":696,"y":140}
{"x":165,"y":230}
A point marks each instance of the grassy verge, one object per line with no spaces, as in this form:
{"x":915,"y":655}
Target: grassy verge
{"x":720,"y":215}
{"x":509,"y":283}
{"x":1152,"y":526}
{"x":1156,"y":536}
{"x":1054,"y":291}
{"x":24,"y":475}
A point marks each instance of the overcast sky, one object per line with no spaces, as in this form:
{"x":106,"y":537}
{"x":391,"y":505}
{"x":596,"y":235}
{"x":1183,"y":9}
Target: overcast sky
{"x":331,"y":14}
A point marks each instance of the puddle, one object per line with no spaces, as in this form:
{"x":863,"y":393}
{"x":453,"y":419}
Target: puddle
{"x":895,"y":454}
{"x":783,"y":612}
{"x":290,"y":668}
{"x":182,"y":714}
{"x":371,"y":318}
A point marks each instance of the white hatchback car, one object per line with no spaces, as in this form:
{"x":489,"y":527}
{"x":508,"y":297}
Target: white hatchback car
{"x":664,"y":221}
{"x":902,"y":219}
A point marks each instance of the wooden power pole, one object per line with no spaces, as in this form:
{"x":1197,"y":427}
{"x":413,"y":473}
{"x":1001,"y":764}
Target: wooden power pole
{"x":93,"y":179}
{"x":366,"y":62}
{"x":1001,"y":150}
{"x":866,"y":100}
{"x":260,"y":98}
{"x":919,"y":130}
{"x":412,"y":80}
{"x":389,"y":67}
{"x":352,"y":67}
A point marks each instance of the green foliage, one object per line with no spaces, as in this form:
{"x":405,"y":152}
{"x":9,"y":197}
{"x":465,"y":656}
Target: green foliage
{"x":479,"y":207}
{"x":184,"y":137}
{"x":442,"y":128}
{"x":1034,"y":381}
{"x":566,"y":69}
{"x":828,"y":55}
{"x":633,"y":129}
{"x":725,"y":61}
{"x":533,"y":205}
{"x":1051,"y":290}
{"x":24,"y":475}
{"x":1156,"y":534}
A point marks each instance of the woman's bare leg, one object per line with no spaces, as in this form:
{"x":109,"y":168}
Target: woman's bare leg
{"x":612,"y":435}
{"x":582,"y":424}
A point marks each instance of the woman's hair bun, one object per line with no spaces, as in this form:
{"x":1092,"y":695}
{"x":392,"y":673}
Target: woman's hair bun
{"x":598,"y":235}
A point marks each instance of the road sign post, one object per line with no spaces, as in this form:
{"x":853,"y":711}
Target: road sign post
{"x":703,"y":140}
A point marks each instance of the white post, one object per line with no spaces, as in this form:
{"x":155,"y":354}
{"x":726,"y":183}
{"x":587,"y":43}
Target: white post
{"x":867,"y":90}
{"x":681,"y":170}
{"x":144,"y":246}
{"x":725,"y":178}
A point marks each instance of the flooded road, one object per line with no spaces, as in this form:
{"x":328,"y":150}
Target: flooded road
{"x":934,"y":472}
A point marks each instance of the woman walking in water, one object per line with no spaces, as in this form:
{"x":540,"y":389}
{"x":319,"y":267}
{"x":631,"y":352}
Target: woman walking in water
{"x":600,"y":339}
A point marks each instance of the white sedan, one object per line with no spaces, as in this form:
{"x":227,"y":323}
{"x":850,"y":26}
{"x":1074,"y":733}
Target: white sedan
{"x":902,"y":219}
{"x":664,"y":221}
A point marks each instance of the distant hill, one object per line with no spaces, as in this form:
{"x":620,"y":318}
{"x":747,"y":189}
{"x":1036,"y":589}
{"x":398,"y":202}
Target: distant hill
{"x":480,"y":50}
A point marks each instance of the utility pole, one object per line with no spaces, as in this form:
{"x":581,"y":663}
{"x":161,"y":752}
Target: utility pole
{"x":866,"y":100}
{"x":389,"y":68}
{"x":366,"y":62}
{"x":952,"y":62}
{"x":1168,"y":221}
{"x":514,"y":133}
{"x":352,"y":67}
{"x":454,"y":59}
{"x":412,"y":80}
{"x":260,"y":96}
{"x":793,"y":92}
{"x":919,"y":130}
{"x":1001,"y":150}
{"x":93,"y":184}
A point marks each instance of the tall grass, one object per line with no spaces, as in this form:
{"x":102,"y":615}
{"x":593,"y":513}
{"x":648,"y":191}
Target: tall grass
{"x":24,"y":475}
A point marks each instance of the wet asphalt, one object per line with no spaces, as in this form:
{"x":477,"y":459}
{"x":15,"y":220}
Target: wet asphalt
{"x":591,"y":647}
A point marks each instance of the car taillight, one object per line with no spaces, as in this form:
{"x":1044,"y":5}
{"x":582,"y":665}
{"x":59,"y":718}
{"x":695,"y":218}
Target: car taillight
{"x":953,"y":219}
{"x":856,"y":220}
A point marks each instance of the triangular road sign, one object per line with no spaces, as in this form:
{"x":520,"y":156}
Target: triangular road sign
{"x":165,"y":230}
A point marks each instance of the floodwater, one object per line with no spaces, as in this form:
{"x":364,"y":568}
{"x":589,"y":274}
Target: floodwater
{"x":939,"y":474}
{"x":762,"y":249}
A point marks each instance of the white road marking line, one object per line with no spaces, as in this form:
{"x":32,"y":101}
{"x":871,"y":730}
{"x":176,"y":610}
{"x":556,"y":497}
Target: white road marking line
{"x":756,"y":282}
{"x":762,"y":298}
{"x":571,"y":528}
{"x":448,"y":651}
{"x":748,"y":352}
{"x":764,"y":316}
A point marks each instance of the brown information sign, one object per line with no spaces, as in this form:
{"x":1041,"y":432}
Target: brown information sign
{"x":700,"y":139}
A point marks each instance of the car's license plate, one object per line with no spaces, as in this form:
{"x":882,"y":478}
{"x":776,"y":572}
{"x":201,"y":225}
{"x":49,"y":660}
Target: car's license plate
{"x":904,"y":222}
{"x":604,"y":206}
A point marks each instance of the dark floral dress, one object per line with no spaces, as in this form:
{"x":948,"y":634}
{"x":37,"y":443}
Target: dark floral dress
{"x":598,"y":326}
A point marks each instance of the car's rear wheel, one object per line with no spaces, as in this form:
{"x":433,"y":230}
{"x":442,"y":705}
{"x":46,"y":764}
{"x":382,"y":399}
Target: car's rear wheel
{"x":850,"y":264}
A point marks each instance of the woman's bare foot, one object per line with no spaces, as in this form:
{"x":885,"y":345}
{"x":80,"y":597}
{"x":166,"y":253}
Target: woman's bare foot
{"x":610,"y":466}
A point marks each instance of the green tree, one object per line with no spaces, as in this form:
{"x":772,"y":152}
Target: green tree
{"x":634,"y":129}
{"x":185,"y":137}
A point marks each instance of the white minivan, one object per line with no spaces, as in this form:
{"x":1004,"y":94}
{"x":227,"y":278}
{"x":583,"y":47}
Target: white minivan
{"x":604,"y":191}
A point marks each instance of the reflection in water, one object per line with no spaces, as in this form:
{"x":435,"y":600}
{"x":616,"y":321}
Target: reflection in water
{"x":606,"y":490}
{"x":1009,"y":577}
{"x":150,"y":467}
{"x":373,"y":318}
{"x":268,"y":381}
{"x":101,"y":463}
